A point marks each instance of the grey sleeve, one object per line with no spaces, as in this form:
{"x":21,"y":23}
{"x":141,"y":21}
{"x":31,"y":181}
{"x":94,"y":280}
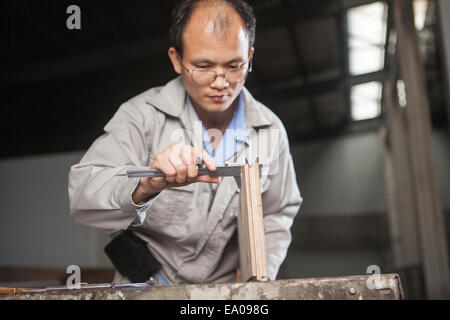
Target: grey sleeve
{"x":98,"y":198}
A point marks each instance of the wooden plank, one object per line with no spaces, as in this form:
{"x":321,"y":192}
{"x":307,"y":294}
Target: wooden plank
{"x":252,"y":249}
{"x":386,"y":287}
{"x":432,"y":239}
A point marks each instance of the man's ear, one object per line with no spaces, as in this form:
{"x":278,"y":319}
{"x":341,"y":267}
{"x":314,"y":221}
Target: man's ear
{"x":175,"y":58}
{"x":250,"y":67}
{"x":252,"y":51}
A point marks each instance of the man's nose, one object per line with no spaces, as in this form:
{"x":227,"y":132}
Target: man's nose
{"x":220,"y":82}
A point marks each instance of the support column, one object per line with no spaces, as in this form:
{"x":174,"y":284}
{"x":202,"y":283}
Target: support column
{"x":443,"y":13}
{"x":402,"y":212}
{"x":430,"y":222}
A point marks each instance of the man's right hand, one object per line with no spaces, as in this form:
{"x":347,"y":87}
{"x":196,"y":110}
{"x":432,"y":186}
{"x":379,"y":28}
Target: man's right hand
{"x":179,"y":164}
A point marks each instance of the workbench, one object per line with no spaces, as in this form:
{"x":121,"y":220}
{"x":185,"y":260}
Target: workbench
{"x":388,"y":287}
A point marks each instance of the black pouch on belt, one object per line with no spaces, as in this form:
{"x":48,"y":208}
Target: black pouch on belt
{"x":131,"y":257}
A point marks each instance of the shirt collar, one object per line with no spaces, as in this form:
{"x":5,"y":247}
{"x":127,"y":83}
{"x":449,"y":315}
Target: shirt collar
{"x":237,"y":124}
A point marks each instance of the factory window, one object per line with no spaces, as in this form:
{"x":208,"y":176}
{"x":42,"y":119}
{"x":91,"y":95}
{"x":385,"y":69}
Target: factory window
{"x":366,"y":37}
{"x":366,"y":100}
{"x":420,"y":13}
{"x":366,"y":46}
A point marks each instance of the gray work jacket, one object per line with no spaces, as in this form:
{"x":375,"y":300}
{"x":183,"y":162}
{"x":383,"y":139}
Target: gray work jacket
{"x":191,"y":230}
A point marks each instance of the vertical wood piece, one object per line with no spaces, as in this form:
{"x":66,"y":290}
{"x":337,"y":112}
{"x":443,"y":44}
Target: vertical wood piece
{"x":252,"y":249}
{"x":400,"y":189}
{"x":432,"y":238}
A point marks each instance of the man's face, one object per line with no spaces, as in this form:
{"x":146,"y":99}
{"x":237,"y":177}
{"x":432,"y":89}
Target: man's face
{"x":215,"y":38}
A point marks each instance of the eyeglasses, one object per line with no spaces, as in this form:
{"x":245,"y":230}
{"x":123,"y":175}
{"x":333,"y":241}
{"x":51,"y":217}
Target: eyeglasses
{"x":202,"y":76}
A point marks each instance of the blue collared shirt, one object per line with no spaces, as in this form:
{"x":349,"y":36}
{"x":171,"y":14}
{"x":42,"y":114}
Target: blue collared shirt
{"x":236,"y":131}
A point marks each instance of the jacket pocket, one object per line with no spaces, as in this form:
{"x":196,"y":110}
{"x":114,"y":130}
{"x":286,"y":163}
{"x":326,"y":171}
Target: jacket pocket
{"x":172,"y":206}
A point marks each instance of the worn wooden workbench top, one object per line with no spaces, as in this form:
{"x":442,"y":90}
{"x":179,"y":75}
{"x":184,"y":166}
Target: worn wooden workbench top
{"x":384,"y":287}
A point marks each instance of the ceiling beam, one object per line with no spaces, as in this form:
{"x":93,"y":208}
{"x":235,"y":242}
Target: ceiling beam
{"x":297,"y":92}
{"x":304,"y":11}
{"x":292,"y":33}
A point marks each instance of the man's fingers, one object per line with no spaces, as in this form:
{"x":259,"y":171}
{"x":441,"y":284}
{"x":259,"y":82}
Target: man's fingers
{"x":162,"y":163}
{"x":209,"y":162}
{"x":178,"y":163}
{"x":206,"y":178}
{"x":188,"y":158}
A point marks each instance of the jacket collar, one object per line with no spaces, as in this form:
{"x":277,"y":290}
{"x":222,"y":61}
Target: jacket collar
{"x":171,"y":100}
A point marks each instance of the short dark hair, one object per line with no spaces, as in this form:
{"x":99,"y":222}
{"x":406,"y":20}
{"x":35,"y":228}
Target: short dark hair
{"x":184,"y":9}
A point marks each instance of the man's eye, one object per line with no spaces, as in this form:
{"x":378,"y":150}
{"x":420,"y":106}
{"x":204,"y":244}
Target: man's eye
{"x":235,"y":68}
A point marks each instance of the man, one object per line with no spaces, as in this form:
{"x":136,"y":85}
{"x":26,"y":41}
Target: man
{"x":189,"y":227}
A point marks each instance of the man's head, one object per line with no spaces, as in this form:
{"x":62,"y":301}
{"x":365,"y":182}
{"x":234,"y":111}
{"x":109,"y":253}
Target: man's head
{"x":212,"y":36}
